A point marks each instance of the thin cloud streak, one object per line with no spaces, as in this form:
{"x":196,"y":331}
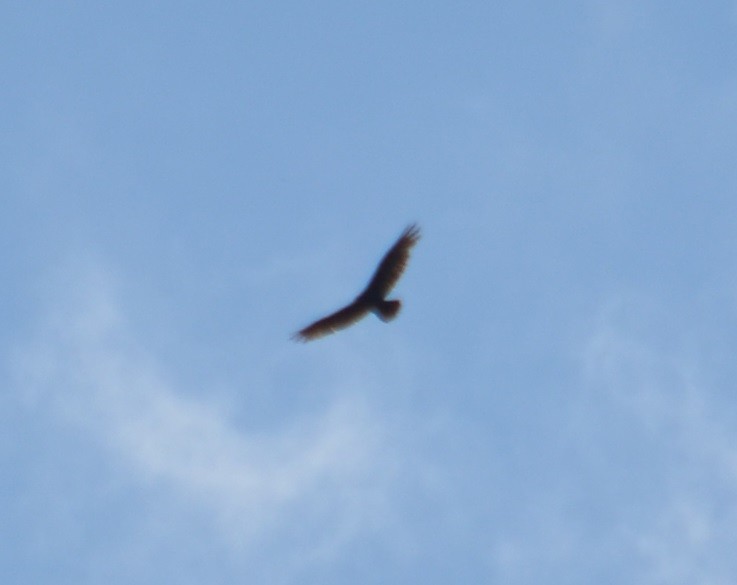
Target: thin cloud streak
{"x":640,"y":377}
{"x":87,"y":369}
{"x":644,"y":484}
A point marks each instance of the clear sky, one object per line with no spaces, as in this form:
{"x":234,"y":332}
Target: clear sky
{"x":184,"y":185}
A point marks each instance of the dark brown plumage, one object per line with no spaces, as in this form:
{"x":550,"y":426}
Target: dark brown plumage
{"x":373,"y":297}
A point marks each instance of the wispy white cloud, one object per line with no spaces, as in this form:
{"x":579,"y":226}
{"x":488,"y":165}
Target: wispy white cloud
{"x":324,"y":476}
{"x":646,"y":383}
{"x":643,"y":486}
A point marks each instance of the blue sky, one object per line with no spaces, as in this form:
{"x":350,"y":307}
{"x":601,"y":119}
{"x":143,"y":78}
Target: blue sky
{"x":186,"y":185}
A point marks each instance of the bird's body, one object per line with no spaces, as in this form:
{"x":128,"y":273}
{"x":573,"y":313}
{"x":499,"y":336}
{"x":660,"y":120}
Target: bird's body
{"x":373,"y":298}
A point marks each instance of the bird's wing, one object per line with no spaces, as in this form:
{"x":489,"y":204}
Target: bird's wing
{"x":393,"y":263}
{"x":339,"y":320}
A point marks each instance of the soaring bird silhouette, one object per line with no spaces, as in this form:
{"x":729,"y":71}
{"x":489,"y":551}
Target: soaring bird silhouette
{"x":373,"y":298}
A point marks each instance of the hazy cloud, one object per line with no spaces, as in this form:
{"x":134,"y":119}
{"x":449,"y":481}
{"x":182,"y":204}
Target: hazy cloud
{"x":87,"y":368}
{"x":646,"y":376}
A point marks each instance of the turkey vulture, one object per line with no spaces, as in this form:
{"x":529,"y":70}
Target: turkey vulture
{"x":373,"y":297}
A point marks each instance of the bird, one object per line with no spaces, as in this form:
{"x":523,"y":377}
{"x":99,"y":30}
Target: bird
{"x":373,"y":298}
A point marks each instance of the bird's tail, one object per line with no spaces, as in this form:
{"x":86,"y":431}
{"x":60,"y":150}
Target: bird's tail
{"x":387,"y":310}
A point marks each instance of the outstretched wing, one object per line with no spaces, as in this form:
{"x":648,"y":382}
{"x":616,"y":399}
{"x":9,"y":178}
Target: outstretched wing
{"x":339,"y":320}
{"x":393,"y":264}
